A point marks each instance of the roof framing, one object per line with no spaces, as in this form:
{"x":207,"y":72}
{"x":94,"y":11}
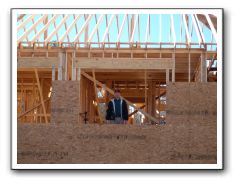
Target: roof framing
{"x":190,"y":25}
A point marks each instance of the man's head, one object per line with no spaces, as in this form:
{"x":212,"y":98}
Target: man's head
{"x":117,"y":93}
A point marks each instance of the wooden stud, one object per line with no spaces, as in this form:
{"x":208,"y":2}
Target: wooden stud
{"x":167,"y":76}
{"x":173,"y":68}
{"x":53,"y":73}
{"x":189,"y":68}
{"x":96,"y":97}
{"x":41,"y":97}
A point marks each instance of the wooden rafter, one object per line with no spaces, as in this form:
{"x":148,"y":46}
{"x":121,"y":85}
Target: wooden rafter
{"x":108,"y":28}
{"x":134,"y":29}
{"x":97,"y":32}
{"x":25,"y":22}
{"x":121,"y":29}
{"x":76,"y":39}
{"x":69,"y":28}
{"x":211,"y":26}
{"x":31,"y":28}
{"x":147,"y":29}
{"x":44,"y":28}
{"x":160,"y":28}
{"x":65,"y":25}
{"x":21,"y":16}
{"x":55,"y":31}
{"x":196,"y":29}
{"x":199,"y":28}
{"x":186,"y":29}
{"x":173,"y":29}
{"x":95,"y":28}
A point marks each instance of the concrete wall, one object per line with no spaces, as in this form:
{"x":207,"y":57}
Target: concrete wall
{"x":188,"y":137}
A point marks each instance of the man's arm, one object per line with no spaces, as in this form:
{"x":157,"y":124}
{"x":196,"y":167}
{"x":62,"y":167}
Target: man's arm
{"x":125,"y":110}
{"x":109,"y":111}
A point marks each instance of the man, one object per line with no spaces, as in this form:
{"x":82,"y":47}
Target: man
{"x":117,"y":112}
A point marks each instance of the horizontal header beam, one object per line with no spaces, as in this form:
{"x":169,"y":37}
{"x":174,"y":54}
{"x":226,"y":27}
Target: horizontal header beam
{"x":124,"y":63}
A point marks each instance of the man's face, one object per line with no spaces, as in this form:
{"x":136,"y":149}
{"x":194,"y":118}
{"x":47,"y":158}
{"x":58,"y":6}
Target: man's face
{"x":117,"y":94}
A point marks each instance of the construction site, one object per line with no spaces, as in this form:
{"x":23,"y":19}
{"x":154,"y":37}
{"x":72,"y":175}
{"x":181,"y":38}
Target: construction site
{"x":69,"y":65}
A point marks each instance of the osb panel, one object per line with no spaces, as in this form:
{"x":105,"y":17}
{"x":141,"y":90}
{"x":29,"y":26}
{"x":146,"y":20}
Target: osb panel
{"x":194,"y":106}
{"x":188,"y":137}
{"x":188,"y":100}
{"x":66,"y":143}
{"x":65,"y":102}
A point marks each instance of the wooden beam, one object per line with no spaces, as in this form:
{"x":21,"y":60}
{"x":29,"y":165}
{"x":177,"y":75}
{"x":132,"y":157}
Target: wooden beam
{"x":108,"y":28}
{"x":163,"y":93}
{"x":36,"y":62}
{"x":44,"y":28}
{"x":160,"y":28}
{"x":97,"y":32}
{"x":73,"y":67}
{"x":173,"y":68}
{"x":112,"y":92}
{"x":86,"y":32}
{"x":20,"y":17}
{"x":69,"y":28}
{"x":189,"y":68}
{"x":46,"y":31}
{"x":196,"y":29}
{"x":24,"y":23}
{"x":145,"y":79}
{"x":56,"y":29}
{"x":100,"y":63}
{"x":186,"y":30}
{"x":199,"y":28}
{"x":31,"y":109}
{"x":211,"y":26}
{"x":203,"y":68}
{"x":121,"y":29}
{"x":95,"y":28}
{"x":96,"y":97}
{"x":41,"y":96}
{"x":167,"y":76}
{"x":53,"y":73}
{"x":147,"y":29}
{"x":134,"y":29}
{"x":76,"y":39}
{"x":173,"y":29}
{"x":31,"y":28}
{"x":134,"y":112}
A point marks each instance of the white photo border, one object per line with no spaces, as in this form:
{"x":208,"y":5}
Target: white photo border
{"x":220,"y":30}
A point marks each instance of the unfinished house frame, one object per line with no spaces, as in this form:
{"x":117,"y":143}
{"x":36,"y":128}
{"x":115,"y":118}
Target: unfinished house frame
{"x":137,"y":53}
{"x":165,"y":65}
